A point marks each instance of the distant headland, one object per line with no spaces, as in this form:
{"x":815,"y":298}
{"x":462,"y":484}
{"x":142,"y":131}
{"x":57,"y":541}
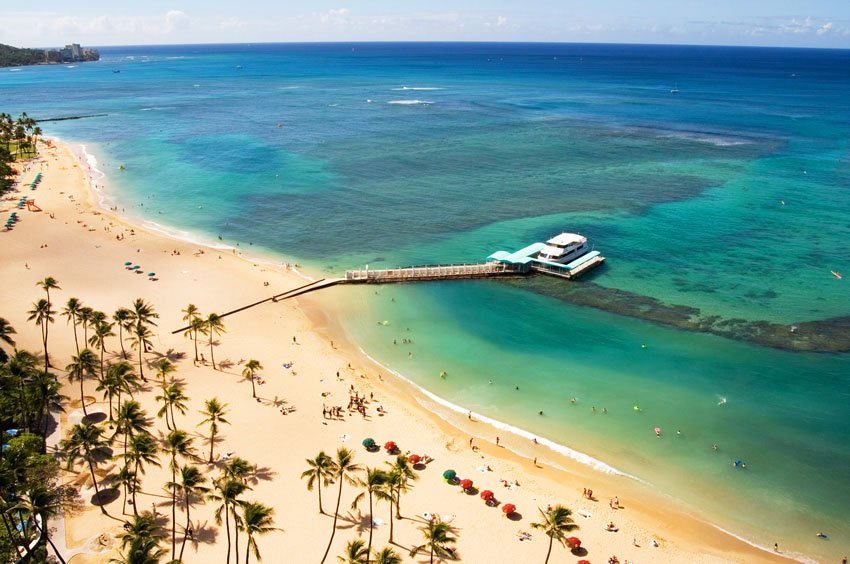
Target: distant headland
{"x":15,"y":57}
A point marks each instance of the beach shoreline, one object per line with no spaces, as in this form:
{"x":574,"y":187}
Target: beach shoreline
{"x":417,"y":418}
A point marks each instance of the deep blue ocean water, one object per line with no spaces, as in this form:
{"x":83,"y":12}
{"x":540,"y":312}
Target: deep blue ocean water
{"x":731,"y":196}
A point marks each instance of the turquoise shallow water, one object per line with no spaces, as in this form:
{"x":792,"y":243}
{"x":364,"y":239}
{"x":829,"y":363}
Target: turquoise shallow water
{"x":730,"y":196}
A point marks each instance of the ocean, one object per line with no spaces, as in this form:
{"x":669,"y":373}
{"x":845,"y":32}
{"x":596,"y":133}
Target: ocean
{"x":722,"y":209}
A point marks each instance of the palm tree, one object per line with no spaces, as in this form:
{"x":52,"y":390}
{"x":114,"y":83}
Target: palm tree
{"x":374,"y":482}
{"x":108,"y":384}
{"x":556,"y":523}
{"x":102,"y":330}
{"x":85,"y":318}
{"x":249,"y":371}
{"x":21,"y":367}
{"x":191,"y":485}
{"x":318,"y":473}
{"x":387,"y":556}
{"x":256,"y":520}
{"x":164,"y":367}
{"x":42,"y":315}
{"x":176,"y":443}
{"x":438,"y":537}
{"x":123,"y":318}
{"x":125,"y":380}
{"x":48,"y":397}
{"x":5,"y":331}
{"x":401,"y":474}
{"x":227,"y":491}
{"x":214,"y":412}
{"x":82,"y":365}
{"x":355,"y":553}
{"x":81,"y":443}
{"x":214,"y":326}
{"x":143,"y":314}
{"x":140,"y":338}
{"x":71,"y":311}
{"x":141,"y":541}
{"x":48,"y":284}
{"x":343,"y":469}
{"x":192,"y":315}
{"x":143,"y":450}
{"x":172,"y":397}
{"x":45,"y":503}
{"x":130,"y":420}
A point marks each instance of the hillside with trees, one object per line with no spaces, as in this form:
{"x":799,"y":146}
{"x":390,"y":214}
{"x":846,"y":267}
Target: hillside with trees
{"x":13,"y":56}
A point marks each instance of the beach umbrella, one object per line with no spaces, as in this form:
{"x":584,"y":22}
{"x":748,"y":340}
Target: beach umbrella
{"x":574,"y":542}
{"x":390,"y":446}
{"x":414,"y":458}
{"x":136,"y":267}
{"x":449,"y":474}
{"x":151,"y":273}
{"x":368,"y":443}
{"x":508,"y":508}
{"x":128,"y":263}
{"x":466,"y":484}
{"x":487,"y":495}
{"x":583,"y":562}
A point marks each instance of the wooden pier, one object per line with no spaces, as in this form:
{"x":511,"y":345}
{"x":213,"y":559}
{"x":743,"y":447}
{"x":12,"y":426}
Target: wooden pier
{"x":431,"y":272}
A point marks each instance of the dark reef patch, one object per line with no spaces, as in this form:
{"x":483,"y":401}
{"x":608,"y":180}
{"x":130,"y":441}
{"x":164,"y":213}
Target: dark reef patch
{"x":823,"y":335}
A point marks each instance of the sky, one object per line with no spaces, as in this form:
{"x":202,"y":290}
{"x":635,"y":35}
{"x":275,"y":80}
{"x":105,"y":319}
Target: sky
{"x":781,"y":23}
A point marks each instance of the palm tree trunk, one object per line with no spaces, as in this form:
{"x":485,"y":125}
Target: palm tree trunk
{"x":173,"y":508}
{"x":236,"y":535}
{"x":53,"y":546}
{"x":227,"y":526}
{"x":319,"y":482}
{"x":135,"y":487}
{"x":548,"y":552}
{"x":121,"y":339}
{"x":44,"y":340}
{"x":336,"y":516}
{"x":76,"y":341}
{"x":371,"y":526}
{"x":188,"y":524}
{"x":212,"y":444}
{"x":141,"y":370}
{"x":83,"y":396}
{"x":196,"y":345}
{"x":248,"y":549}
{"x":391,"y":516}
{"x":253,"y":386}
{"x":173,"y":422}
{"x":94,"y":481}
{"x":432,"y":552}
{"x":212,"y":353}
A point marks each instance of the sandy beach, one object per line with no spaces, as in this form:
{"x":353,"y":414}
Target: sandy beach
{"x":309,"y":363}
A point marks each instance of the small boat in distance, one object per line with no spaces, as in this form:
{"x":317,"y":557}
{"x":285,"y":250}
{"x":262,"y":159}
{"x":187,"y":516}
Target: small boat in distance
{"x":564,"y":248}
{"x":836,"y":274}
{"x":675,"y":89}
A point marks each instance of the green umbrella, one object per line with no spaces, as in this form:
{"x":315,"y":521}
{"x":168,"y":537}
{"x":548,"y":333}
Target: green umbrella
{"x":128,"y":263}
{"x":368,"y":443}
{"x":449,"y":474}
{"x":136,"y":267}
{"x":151,"y":273}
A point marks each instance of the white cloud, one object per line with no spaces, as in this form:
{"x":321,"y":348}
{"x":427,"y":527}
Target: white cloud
{"x":176,"y":20}
{"x":824,"y":29}
{"x":501,"y":20}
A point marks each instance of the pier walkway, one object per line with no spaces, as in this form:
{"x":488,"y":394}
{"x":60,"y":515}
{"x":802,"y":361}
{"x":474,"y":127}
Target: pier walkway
{"x":432,"y":272}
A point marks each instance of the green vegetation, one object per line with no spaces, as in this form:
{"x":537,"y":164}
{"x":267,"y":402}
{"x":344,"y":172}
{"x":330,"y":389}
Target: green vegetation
{"x":18,"y":139}
{"x":14,"y":57}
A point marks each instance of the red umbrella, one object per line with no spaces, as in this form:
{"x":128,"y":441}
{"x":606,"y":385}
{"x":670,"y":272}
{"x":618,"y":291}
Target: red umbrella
{"x":466,"y":484}
{"x":583,"y":562}
{"x":487,"y":495}
{"x":508,"y":508}
{"x":390,"y":446}
{"x":414,"y":458}
{"x":574,"y":542}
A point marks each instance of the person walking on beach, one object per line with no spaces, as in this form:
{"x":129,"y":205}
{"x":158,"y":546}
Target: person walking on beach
{"x":497,"y":441}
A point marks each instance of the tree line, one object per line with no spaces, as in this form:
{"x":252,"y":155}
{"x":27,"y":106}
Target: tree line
{"x":18,"y":139}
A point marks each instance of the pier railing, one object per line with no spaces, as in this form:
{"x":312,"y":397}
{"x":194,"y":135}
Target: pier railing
{"x":431,"y":272}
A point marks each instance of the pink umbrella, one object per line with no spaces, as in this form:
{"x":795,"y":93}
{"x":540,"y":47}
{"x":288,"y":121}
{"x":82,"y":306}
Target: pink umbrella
{"x":414,"y":458}
{"x":487,"y":495}
{"x":390,"y":446}
{"x":466,"y":484}
{"x":508,"y":508}
{"x":574,"y":542}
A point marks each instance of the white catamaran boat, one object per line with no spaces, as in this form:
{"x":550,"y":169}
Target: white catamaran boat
{"x":564,"y":248}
